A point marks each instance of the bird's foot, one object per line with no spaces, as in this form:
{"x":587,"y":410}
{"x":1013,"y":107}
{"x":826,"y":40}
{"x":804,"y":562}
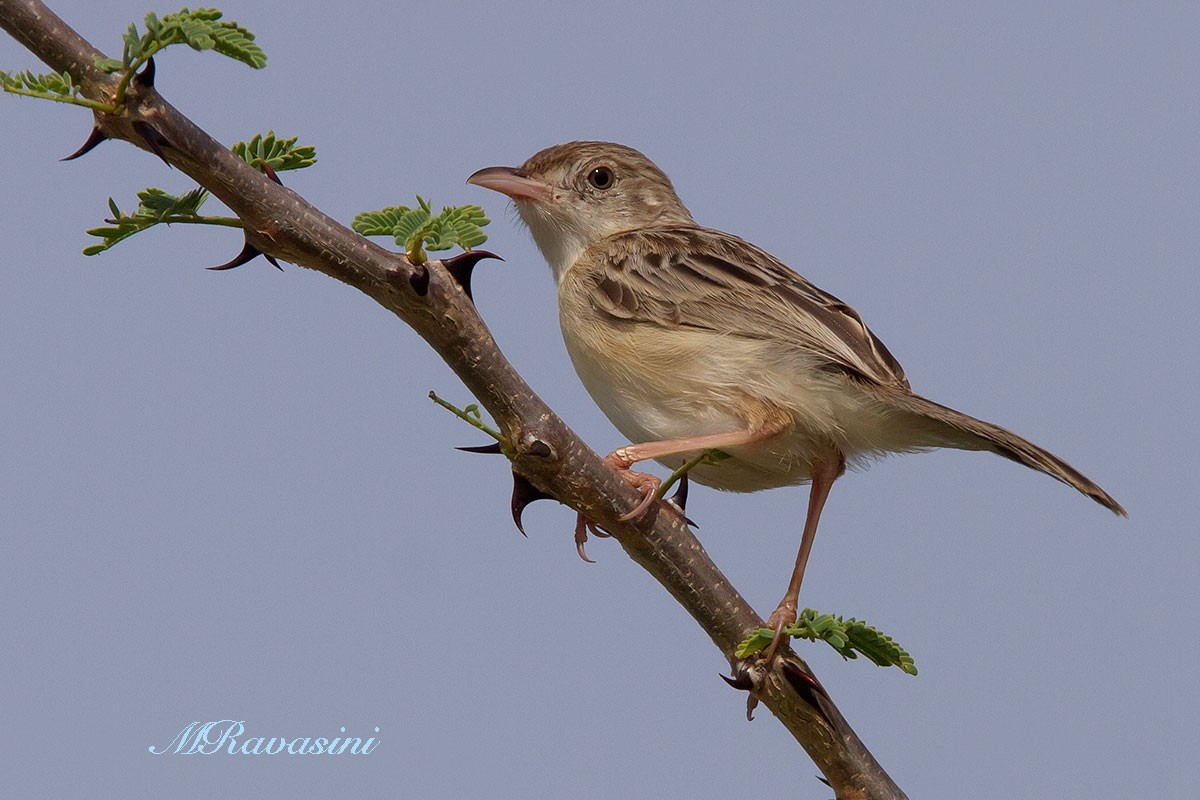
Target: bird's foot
{"x":584,"y":526}
{"x":644,"y":482}
{"x":780,"y":618}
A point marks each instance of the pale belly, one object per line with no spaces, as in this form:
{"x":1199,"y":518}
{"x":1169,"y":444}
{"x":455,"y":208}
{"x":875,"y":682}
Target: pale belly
{"x":658,"y":384}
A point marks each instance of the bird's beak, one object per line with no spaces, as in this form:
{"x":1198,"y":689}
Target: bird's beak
{"x":512,"y":182}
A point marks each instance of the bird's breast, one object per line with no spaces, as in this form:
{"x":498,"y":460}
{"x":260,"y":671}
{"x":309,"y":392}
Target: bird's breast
{"x":660,"y":383}
{"x":663,"y":380}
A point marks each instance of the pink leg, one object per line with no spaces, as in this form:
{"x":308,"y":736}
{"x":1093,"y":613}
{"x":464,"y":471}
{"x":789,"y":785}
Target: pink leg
{"x":824,"y":474}
{"x":625,"y":457}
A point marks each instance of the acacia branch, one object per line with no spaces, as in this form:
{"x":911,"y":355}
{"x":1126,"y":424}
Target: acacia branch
{"x":280,"y":223}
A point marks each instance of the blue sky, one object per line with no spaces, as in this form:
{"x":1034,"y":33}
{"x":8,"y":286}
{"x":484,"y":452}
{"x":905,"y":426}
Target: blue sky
{"x":227,"y":496}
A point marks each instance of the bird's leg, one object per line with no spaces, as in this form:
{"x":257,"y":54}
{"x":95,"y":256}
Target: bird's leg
{"x":625,"y":457}
{"x":824,"y":473}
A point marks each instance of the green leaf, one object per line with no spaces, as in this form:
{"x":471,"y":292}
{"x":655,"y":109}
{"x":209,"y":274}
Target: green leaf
{"x":758,"y":640}
{"x":416,"y":229}
{"x":850,"y":637}
{"x":201,"y":29}
{"x":378,"y":223}
{"x":232,"y":40}
{"x":461,"y":226}
{"x":411,"y":225}
{"x":109,"y":64}
{"x":51,"y":85}
{"x":155,"y":207}
{"x":278,"y":154}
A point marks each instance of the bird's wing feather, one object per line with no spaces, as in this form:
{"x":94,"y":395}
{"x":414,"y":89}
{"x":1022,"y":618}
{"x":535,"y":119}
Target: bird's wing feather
{"x":706,"y":279}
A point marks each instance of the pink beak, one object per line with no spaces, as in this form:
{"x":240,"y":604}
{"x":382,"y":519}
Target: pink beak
{"x":512,"y":182}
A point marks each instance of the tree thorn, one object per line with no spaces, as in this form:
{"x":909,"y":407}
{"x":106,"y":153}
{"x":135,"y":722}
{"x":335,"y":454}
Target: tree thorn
{"x":807,"y":686}
{"x":249,"y":253}
{"x":269,"y":171}
{"x":489,"y":449}
{"x":679,"y":499}
{"x":94,"y":138}
{"x":145,"y":78}
{"x":741,"y":679}
{"x":803,"y":682}
{"x":462,"y":265}
{"x":153,"y":139}
{"x":681,"y":493}
{"x":523,"y":494}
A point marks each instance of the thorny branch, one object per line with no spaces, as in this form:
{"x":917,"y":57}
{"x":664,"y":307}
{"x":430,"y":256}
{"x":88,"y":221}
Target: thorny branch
{"x":429,"y":298}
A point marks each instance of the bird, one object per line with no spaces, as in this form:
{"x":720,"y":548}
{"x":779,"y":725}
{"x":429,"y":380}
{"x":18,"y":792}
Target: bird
{"x":692,"y":340}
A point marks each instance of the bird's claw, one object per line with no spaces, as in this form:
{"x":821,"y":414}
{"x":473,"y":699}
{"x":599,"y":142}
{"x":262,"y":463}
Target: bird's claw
{"x":780,"y":618}
{"x":644,"y":482}
{"x":583,"y":526}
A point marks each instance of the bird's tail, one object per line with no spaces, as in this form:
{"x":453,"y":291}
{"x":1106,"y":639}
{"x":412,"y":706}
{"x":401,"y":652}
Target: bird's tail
{"x":966,"y":432}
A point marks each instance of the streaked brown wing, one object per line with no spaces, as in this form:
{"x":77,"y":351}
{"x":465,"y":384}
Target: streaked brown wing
{"x":702,"y":278}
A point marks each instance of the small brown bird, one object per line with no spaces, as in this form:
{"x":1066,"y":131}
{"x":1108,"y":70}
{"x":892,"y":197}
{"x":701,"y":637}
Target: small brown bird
{"x":691,"y":339}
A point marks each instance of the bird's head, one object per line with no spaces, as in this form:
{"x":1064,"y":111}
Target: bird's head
{"x":573,"y":195}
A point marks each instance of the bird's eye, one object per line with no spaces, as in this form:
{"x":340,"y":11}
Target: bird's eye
{"x":601,"y":178}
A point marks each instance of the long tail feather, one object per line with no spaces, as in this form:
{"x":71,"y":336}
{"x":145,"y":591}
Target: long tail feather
{"x":969,"y":433}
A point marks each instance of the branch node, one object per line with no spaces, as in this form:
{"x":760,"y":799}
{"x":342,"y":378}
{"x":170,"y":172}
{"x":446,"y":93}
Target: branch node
{"x":533,"y":446}
{"x":419,"y":280}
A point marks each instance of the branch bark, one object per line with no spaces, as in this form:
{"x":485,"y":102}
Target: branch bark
{"x":549,"y":455}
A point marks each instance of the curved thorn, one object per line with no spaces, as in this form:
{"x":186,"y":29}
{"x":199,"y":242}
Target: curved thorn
{"x":93,"y":140}
{"x":153,"y":139}
{"x":523,"y":494}
{"x":802,"y":681}
{"x":741,"y":680}
{"x":489,"y":449}
{"x":271,"y":260}
{"x":419,"y":280}
{"x":679,"y":500}
{"x":462,"y":265}
{"x":270,"y":172}
{"x":807,"y":687}
{"x":249,"y":253}
{"x":145,"y":78}
{"x":681,"y":493}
